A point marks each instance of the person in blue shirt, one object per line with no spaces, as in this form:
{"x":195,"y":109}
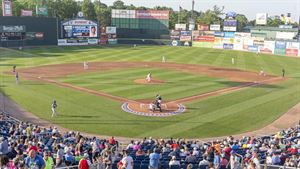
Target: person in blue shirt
{"x":34,"y":161}
{"x":154,"y":159}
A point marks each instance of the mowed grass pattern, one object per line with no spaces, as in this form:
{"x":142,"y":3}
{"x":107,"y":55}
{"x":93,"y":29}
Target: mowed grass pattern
{"x":232,"y":113}
{"x":121,"y":83}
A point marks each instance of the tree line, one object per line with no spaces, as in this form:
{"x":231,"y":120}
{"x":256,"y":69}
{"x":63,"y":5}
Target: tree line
{"x":96,"y":10}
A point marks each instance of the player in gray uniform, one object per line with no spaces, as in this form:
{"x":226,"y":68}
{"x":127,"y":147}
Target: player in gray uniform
{"x":53,"y":108}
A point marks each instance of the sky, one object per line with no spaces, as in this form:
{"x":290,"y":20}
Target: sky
{"x":246,"y":7}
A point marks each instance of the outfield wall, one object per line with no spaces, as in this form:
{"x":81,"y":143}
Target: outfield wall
{"x":242,"y":41}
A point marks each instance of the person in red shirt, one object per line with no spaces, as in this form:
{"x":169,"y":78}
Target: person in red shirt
{"x":84,"y":163}
{"x":112,"y":141}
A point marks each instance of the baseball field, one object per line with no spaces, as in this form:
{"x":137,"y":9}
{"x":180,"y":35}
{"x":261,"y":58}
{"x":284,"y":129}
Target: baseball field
{"x":204,"y":93}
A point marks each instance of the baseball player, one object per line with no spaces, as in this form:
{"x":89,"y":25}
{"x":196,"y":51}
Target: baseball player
{"x":283,"y":72}
{"x":17,"y":78}
{"x":53,"y":108}
{"x":14,"y":68}
{"x":152,"y":106}
{"x":163,"y":59}
{"x":85,"y":65}
{"x":232,"y":60}
{"x":149,"y":77}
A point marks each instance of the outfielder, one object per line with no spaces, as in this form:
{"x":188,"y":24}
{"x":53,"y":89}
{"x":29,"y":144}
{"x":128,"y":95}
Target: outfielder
{"x":232,"y":60}
{"x":163,"y":59}
{"x":149,"y":77}
{"x":17,"y":78}
{"x":85,"y":65}
{"x":53,"y":108}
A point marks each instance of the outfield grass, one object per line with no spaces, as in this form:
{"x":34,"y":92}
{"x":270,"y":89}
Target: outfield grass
{"x":237,"y":112}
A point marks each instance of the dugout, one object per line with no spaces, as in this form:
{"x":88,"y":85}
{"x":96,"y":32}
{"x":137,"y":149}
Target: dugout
{"x":28,"y":31}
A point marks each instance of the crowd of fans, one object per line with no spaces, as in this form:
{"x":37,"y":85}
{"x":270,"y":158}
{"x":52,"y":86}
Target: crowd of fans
{"x":24,"y":145}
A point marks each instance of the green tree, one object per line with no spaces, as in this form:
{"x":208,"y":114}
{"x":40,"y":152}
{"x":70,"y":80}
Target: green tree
{"x":118,"y":5}
{"x":88,"y":9}
{"x":211,"y":16}
{"x":103,"y":13}
{"x":242,"y":21}
{"x":274,"y":22}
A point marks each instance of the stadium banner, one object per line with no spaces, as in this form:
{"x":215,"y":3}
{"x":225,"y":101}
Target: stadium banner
{"x":93,"y":41}
{"x":285,"y":35}
{"x":230,"y":25}
{"x":185,"y":33}
{"x":292,"y":52}
{"x":206,"y":33}
{"x":252,"y":48}
{"x":215,"y":27}
{"x":229,"y":34}
{"x":122,"y":13}
{"x":218,"y":43}
{"x":238,"y":43}
{"x":175,"y":35}
{"x":175,"y":43}
{"x":203,"y":27}
{"x":185,"y":38}
{"x":269,"y":47}
{"x":152,"y":14}
{"x":112,"y":41}
{"x":41,"y":10}
{"x":242,"y":34}
{"x":219,"y":34}
{"x":26,"y":12}
{"x":280,"y":45}
{"x":261,"y":18}
{"x":12,"y":28}
{"x":258,"y":41}
{"x":111,"y":30}
{"x":280,"y":51}
{"x":228,"y":40}
{"x":196,"y":33}
{"x":39,"y":35}
{"x":292,"y":45}
{"x":227,"y":46}
{"x":229,"y":28}
{"x":204,"y":39}
{"x":248,"y":41}
{"x":7,"y":8}
{"x":180,"y":27}
{"x":203,"y":44}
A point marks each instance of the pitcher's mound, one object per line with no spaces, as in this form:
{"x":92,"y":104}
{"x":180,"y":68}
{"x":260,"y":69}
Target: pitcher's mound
{"x":144,"y":81}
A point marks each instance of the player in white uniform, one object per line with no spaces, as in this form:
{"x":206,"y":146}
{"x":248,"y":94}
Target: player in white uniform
{"x":53,"y":108}
{"x":163,"y":59}
{"x":149,"y":77}
{"x":232,"y":60}
{"x":85,"y":65}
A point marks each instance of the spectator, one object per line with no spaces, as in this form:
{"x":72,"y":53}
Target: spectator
{"x":173,"y":161}
{"x":34,"y":161}
{"x":204,"y":163}
{"x":3,"y":146}
{"x":84,"y":163}
{"x":154,"y":159}
{"x":49,"y":163}
{"x":191,"y":159}
{"x":127,"y":161}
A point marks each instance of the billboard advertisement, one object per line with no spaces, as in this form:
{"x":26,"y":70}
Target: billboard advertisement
{"x":242,"y":34}
{"x":238,"y":43}
{"x":180,"y":27}
{"x":152,"y":14}
{"x":229,"y":34}
{"x":111,"y":30}
{"x":285,"y":35}
{"x":196,"y":33}
{"x":206,"y":33}
{"x":279,"y":51}
{"x":215,"y":27}
{"x":185,"y":38}
{"x":185,"y":33}
{"x":79,"y":28}
{"x":292,"y":48}
{"x":203,"y":27}
{"x":175,"y":35}
{"x":122,"y":13}
{"x":218,"y":43}
{"x":219,"y":34}
{"x":228,"y":40}
{"x":6,"y":8}
{"x":252,"y":48}
{"x":227,"y":46}
{"x":280,"y":44}
{"x":258,"y":41}
{"x":269,"y":47}
{"x":230,"y":25}
{"x":204,"y":38}
{"x":248,"y":41}
{"x":26,"y":12}
{"x":175,"y":43}
{"x":261,"y":18}
{"x":292,"y":52}
{"x":203,"y":44}
{"x":42,"y":10}
{"x":229,"y":28}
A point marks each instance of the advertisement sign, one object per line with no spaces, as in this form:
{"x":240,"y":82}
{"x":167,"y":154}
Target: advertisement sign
{"x":196,"y":33}
{"x":202,"y":27}
{"x":39,"y":35}
{"x":248,"y":41}
{"x":238,"y":43}
{"x":218,"y":43}
{"x":180,"y":27}
{"x":227,"y":46}
{"x":122,"y":13}
{"x":185,"y":38}
{"x":175,"y":43}
{"x":229,"y":34}
{"x":26,"y":12}
{"x":12,"y":28}
{"x":261,"y":18}
{"x":206,"y":33}
{"x":242,"y":34}
{"x":203,"y":44}
{"x":215,"y":27}
{"x":252,"y":48}
{"x":228,"y":40}
{"x":152,"y":14}
{"x":258,"y":41}
{"x":292,"y":45}
{"x":185,"y":33}
{"x":229,"y":28}
{"x":93,"y":41}
{"x":175,"y":35}
{"x":269,"y":47}
{"x":285,"y":35}
{"x":112,"y":41}
{"x":111,"y":30}
{"x":6,"y":8}
{"x":79,"y":28}
{"x":292,"y":52}
{"x":42,"y":10}
{"x":219,"y":34}
{"x":298,"y":50}
{"x":204,"y":38}
{"x":230,"y":22}
{"x":280,"y":44}
{"x":280,"y":51}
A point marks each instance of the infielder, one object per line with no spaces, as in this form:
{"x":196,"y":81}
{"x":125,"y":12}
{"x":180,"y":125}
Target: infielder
{"x":14,"y":68}
{"x":149,"y":77}
{"x":85,"y":65}
{"x":17,"y":78}
{"x":53,"y":108}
